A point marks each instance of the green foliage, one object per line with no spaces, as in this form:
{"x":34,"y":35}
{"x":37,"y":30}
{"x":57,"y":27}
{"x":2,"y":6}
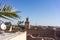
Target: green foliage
{"x":20,"y":22}
{"x":17,"y":28}
{"x":7,"y":11}
{"x":8,"y":23}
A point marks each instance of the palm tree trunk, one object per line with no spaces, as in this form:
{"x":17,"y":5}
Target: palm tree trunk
{"x":10,"y":28}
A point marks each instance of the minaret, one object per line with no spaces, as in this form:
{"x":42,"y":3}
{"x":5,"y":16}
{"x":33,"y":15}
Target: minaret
{"x":27,"y":23}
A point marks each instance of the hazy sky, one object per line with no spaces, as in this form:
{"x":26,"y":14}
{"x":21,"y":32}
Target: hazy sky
{"x":40,"y":12}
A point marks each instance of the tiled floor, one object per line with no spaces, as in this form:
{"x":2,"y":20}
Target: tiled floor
{"x":7,"y":36}
{"x":20,"y":37}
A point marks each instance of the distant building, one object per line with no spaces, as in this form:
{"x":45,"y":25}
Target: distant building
{"x":27,"y":24}
{"x":41,"y":32}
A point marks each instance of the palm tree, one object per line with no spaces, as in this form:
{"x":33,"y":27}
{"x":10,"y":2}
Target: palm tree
{"x":20,"y":23}
{"x":7,"y":12}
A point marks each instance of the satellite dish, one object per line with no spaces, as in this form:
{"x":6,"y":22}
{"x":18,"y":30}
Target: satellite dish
{"x":3,"y":26}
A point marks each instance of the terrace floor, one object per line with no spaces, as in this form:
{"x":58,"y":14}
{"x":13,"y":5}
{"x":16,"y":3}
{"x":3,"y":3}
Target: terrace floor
{"x":20,"y":37}
{"x":13,"y":36}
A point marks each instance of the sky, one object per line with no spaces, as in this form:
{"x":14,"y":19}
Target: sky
{"x":40,"y":12}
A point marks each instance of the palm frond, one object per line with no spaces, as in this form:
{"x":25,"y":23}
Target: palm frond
{"x":6,"y":11}
{"x":14,"y":15}
{"x":3,"y":17}
{"x":8,"y":8}
{"x":8,"y":14}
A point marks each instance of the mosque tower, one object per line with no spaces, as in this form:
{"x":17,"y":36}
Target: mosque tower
{"x":27,"y":25}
